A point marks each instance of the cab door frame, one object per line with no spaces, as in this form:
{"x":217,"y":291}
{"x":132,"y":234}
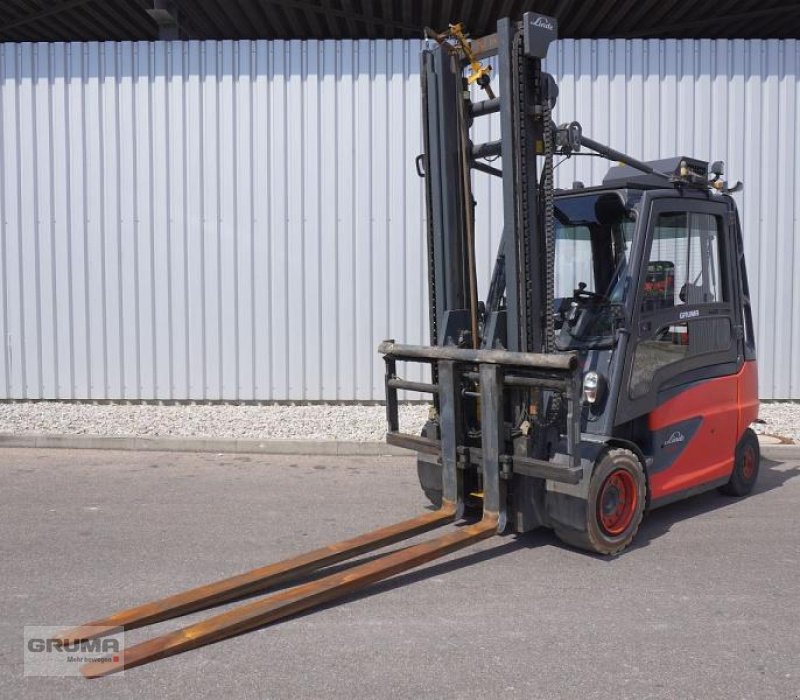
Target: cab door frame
{"x":645,"y":325}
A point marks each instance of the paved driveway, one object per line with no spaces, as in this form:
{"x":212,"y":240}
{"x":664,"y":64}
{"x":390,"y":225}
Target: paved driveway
{"x":706,"y":605}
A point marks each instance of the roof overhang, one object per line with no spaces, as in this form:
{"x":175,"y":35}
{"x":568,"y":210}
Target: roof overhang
{"x":74,"y":20}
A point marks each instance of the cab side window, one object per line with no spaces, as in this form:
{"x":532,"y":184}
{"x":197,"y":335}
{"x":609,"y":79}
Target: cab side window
{"x":573,"y":260}
{"x":684,"y":263}
{"x":673,"y":343}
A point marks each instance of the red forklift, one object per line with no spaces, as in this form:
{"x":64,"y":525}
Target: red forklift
{"x":610,"y":369}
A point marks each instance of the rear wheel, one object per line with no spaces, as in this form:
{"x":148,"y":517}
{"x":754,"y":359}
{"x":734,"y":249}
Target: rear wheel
{"x":615,"y":505}
{"x":745,"y":466}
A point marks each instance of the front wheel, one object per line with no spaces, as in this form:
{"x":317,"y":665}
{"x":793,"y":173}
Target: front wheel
{"x":615,"y":505}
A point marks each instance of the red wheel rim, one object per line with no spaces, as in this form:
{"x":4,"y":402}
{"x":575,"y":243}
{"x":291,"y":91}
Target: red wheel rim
{"x":616,"y":504}
{"x":748,"y":463}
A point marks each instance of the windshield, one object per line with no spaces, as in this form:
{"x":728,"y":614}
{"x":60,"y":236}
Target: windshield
{"x":593,"y":233}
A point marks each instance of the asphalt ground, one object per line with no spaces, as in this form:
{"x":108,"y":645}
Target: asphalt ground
{"x":705,"y":605}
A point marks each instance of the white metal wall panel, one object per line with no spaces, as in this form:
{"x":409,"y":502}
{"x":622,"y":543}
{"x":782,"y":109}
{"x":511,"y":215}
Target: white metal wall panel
{"x":242,"y":220}
{"x":732,"y":100}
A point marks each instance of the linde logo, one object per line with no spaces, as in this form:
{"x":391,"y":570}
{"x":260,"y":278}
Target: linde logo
{"x":543,"y":22}
{"x":676,"y":437}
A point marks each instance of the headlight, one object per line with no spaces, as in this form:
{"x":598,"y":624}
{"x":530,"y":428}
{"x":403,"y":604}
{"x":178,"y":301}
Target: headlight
{"x":592,"y":386}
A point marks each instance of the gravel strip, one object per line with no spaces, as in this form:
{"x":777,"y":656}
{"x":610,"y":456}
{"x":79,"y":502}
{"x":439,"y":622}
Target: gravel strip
{"x":781,"y":419}
{"x":285,"y":422}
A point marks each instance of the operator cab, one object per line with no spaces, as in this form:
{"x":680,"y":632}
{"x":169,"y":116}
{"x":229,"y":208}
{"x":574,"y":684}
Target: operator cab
{"x":649,"y":287}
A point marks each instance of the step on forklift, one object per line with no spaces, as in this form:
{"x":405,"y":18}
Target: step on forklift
{"x":610,"y":369}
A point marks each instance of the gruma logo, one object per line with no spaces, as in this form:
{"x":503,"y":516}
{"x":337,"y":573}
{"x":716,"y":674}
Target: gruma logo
{"x":88,"y":646}
{"x":45,"y":656}
{"x":542,"y":22}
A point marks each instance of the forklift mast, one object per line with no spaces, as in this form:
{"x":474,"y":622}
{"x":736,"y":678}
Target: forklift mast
{"x":492,"y":363}
{"x":514,"y":316}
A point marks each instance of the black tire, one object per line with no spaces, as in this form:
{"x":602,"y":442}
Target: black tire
{"x":746,"y":463}
{"x":434,"y":496}
{"x":429,"y":471}
{"x":615,"y":505}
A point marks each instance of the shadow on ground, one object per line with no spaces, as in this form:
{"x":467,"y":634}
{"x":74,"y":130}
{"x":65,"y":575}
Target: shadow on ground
{"x":772,"y":475}
{"x":656,"y":523}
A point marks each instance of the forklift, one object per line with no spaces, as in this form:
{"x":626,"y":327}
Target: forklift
{"x":611,"y":368}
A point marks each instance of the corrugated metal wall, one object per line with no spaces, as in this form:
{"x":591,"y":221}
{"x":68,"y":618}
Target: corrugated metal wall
{"x":241,"y":220}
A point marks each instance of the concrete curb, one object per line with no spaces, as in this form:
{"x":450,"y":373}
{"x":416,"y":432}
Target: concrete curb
{"x":339,"y":448}
{"x":192,"y":444}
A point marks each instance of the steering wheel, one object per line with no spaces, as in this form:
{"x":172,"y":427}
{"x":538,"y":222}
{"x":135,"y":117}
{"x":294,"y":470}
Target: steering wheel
{"x":582,"y":293}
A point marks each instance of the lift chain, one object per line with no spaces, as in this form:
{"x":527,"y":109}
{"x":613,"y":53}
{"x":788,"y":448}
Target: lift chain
{"x":533,"y":276}
{"x":522,"y":194}
{"x":548,"y":227}
{"x":432,"y":279}
{"x":555,"y":405}
{"x":429,"y":221}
